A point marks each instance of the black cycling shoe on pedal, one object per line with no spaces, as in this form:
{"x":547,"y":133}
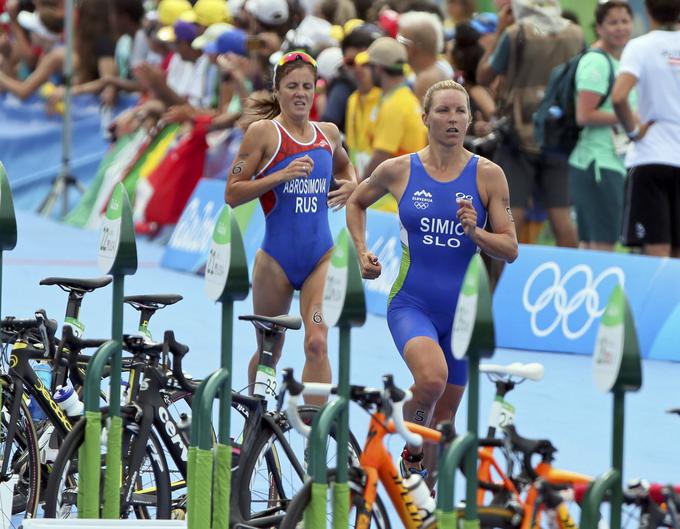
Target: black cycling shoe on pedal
{"x":409,"y":464}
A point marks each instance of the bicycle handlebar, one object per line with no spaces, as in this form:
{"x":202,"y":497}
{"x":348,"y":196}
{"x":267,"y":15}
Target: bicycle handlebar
{"x":395,"y":396}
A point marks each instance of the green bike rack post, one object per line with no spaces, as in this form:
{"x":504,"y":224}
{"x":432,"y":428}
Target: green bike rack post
{"x":89,"y":455}
{"x":117,"y":257}
{"x":344,"y":306}
{"x":226,"y":281}
{"x":473,"y":337}
{"x":617,"y":370}
{"x":202,"y":496}
{"x":8,"y":221}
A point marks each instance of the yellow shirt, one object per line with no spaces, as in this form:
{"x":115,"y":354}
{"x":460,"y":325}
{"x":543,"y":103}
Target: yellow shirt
{"x":360,"y":108}
{"x":398,"y":128}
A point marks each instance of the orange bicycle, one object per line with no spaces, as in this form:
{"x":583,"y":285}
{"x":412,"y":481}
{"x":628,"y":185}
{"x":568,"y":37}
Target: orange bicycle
{"x":518,"y":500}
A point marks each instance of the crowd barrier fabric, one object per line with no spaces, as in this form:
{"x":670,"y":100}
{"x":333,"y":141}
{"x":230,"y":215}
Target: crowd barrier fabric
{"x":31,"y":146}
{"x":551,"y":299}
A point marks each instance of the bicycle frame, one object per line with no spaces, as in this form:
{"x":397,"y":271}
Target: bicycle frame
{"x":377,"y":464}
{"x":20,"y":369}
{"x":530,"y":505}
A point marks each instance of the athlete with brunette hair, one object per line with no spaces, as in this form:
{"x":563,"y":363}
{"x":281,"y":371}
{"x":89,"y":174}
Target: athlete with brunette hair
{"x":290,"y":163}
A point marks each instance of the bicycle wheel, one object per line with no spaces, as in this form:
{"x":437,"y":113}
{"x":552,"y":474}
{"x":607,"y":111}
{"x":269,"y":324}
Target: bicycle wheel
{"x":266,"y":479}
{"x":20,"y":483}
{"x":489,"y":517}
{"x":296,"y":510}
{"x":150,"y":497}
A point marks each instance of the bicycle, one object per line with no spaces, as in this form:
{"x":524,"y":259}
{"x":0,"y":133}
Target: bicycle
{"x":508,"y":510}
{"x":35,"y":340}
{"x":266,"y":474}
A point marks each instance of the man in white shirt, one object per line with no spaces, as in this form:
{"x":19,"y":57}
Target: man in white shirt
{"x":651,"y":65}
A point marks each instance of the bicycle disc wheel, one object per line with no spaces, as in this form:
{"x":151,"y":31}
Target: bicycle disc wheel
{"x":151,"y":493}
{"x":20,"y":483}
{"x":266,"y":479}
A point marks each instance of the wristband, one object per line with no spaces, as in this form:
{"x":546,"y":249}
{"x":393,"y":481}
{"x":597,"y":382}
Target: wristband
{"x":633,"y":134}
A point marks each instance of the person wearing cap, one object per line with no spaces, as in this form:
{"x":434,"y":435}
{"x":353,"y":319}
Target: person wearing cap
{"x":446,"y":195}
{"x":423,"y":36}
{"x":344,"y":83}
{"x":229,"y":52}
{"x":169,"y":11}
{"x":187,"y":74}
{"x":267,"y":15}
{"x":291,"y":163}
{"x":397,"y":127}
{"x":205,"y":13}
{"x":361,"y":105}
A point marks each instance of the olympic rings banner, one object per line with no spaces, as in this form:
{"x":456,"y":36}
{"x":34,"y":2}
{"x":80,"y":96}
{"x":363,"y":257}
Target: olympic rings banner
{"x":551,"y":299}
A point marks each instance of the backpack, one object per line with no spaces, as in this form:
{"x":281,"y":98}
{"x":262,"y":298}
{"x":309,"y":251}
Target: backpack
{"x":555,"y":128}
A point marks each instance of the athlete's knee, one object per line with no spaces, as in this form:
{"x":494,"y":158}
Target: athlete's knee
{"x":316,"y":348}
{"x":430,"y":386}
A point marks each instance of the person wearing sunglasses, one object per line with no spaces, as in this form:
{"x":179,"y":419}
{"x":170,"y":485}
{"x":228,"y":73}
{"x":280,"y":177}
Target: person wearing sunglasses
{"x":290,"y":163}
{"x":445,"y":196}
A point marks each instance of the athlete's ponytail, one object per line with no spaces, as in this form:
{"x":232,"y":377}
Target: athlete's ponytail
{"x":260,"y":105}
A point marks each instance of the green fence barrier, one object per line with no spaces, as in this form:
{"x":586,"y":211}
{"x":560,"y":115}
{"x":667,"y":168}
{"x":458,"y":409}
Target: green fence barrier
{"x":118,"y":257}
{"x":473,"y":337}
{"x":200,"y":470}
{"x":209,"y":470}
{"x":616,"y":369}
{"x":8,"y":222}
{"x":89,"y":455}
{"x":344,"y":306}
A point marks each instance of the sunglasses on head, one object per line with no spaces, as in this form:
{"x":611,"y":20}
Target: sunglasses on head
{"x":297,"y":56}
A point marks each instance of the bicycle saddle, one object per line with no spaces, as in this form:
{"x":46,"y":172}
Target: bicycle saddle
{"x":529,"y":446}
{"x":269,"y":323}
{"x":81,"y":285}
{"x":157,"y":301}
{"x":532,"y":371}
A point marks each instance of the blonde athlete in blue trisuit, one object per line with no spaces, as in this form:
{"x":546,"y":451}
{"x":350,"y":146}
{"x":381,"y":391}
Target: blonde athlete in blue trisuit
{"x":445,"y":196}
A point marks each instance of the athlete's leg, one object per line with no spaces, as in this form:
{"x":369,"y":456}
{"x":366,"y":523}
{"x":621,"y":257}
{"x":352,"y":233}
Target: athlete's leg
{"x":272,"y":295}
{"x":425,"y":359}
{"x":444,"y":411}
{"x":317,"y":368}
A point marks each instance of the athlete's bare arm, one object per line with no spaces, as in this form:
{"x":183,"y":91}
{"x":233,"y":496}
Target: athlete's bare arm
{"x":258,"y":146}
{"x":493,"y":189}
{"x":343,"y":170}
{"x":388,"y":177}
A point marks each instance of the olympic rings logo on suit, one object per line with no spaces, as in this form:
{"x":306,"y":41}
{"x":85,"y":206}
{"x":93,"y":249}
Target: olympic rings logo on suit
{"x":564,"y":306}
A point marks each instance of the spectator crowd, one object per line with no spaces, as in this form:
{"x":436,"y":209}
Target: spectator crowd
{"x":194,"y":66}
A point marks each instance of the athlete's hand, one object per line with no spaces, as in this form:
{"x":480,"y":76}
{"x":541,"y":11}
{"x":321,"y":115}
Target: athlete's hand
{"x":338,"y":198}
{"x":300,"y":167}
{"x":468,"y":217}
{"x":370,"y":267}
